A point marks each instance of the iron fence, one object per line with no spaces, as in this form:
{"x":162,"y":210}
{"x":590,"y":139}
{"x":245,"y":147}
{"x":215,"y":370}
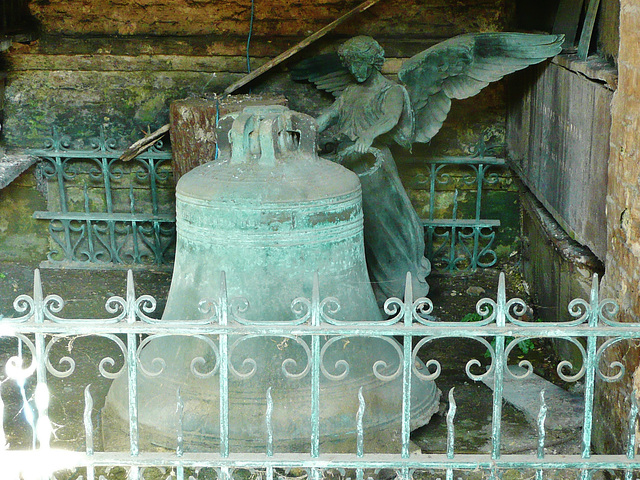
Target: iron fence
{"x":458,"y":243}
{"x":103,"y":211}
{"x":37,"y":327}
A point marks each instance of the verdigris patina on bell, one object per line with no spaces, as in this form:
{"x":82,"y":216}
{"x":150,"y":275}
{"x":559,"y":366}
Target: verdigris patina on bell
{"x":270,"y":214}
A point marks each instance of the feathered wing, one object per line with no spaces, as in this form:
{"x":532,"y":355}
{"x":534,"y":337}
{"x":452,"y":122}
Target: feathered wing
{"x":462,"y":66}
{"x":325,"y":71}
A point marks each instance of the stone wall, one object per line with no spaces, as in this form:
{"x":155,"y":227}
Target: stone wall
{"x":622,"y":267}
{"x":271,"y":17}
{"x":118,"y":64}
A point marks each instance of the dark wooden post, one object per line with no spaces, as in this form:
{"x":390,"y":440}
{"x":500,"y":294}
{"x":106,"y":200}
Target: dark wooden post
{"x":193,"y":126}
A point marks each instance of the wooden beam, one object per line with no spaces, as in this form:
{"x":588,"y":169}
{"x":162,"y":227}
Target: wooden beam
{"x":141,"y":145}
{"x":295,"y":49}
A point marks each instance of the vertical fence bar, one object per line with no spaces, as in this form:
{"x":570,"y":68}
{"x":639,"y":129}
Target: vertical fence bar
{"x":132,"y":376}
{"x":407,"y":364}
{"x":589,"y":384}
{"x":476,"y":230}
{"x":542,"y":416}
{"x":496,"y":428}
{"x":633,"y":418}
{"x":452,"y":243}
{"x":224,"y":373}
{"x":179,"y":434}
{"x":88,"y":429}
{"x":451,"y":435}
{"x":268,"y":423}
{"x":315,"y":372}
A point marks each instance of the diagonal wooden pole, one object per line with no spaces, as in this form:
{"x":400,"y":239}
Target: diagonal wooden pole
{"x":299,"y":46}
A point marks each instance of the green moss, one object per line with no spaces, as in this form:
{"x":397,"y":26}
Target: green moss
{"x":22,"y":238}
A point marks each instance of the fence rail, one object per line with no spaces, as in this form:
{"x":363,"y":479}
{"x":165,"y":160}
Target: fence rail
{"x":37,"y":328}
{"x":104,"y":212}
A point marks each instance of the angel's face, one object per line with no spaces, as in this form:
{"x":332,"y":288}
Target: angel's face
{"x":360,"y":69}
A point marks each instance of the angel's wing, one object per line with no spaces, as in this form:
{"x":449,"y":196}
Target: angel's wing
{"x":325,"y":71}
{"x":462,"y":66}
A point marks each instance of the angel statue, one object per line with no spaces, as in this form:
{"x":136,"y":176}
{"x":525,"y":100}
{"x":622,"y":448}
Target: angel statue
{"x":371,"y":112}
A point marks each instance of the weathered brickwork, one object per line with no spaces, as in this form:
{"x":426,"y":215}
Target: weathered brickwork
{"x":623,"y":223}
{"x":271,"y":17}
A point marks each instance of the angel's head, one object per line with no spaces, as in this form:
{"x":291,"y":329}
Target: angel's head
{"x":361,"y":55}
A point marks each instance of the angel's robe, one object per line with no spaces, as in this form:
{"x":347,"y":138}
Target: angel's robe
{"x":360,"y":108}
{"x":393,"y":232}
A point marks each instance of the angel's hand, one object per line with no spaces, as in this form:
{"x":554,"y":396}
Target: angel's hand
{"x":363,"y":143}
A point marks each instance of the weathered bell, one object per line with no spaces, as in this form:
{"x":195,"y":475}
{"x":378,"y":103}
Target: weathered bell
{"x":271,"y":215}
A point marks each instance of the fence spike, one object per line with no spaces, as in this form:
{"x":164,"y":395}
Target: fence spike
{"x":179,"y":422}
{"x":131,"y":297}
{"x":408,"y":300}
{"x":268,"y":422}
{"x":359,"y":426}
{"x":88,"y":424}
{"x":451,"y":414}
{"x":542,"y":416}
{"x":43,"y":424}
{"x":38,"y":297}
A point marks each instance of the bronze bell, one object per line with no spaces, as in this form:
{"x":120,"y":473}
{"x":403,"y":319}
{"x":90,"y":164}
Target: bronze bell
{"x":271,"y":215}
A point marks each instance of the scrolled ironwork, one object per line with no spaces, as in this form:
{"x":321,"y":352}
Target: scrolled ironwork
{"x":14,"y":368}
{"x":70,"y":362}
{"x":489,"y":235}
{"x":487,"y":308}
{"x":116,"y":305}
{"x":421,"y":309}
{"x":159,"y":364}
{"x":607,"y":310}
{"x":145,"y":305}
{"x":329,"y":306}
{"x":21,"y":304}
{"x":301,"y":308}
{"x":108,"y":362}
{"x":102,"y":143}
{"x":515,"y":308}
{"x":471,"y":178}
{"x":199,"y":362}
{"x":525,"y":364}
{"x":211,"y":309}
{"x":566,"y":364}
{"x":435,"y":364}
{"x":613,"y":365}
{"x":474,"y":362}
{"x":394,"y":308}
{"x":289,"y":364}
{"x":237,"y":307}
{"x":341,"y":366}
{"x":433,"y":375}
{"x":249,"y":365}
{"x":579,"y":309}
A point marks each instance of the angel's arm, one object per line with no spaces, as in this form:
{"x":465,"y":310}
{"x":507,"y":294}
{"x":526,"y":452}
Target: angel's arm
{"x":392,"y":106}
{"x":328,"y":117}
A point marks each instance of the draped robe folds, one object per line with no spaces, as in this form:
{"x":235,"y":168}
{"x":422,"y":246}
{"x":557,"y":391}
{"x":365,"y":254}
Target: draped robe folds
{"x":393,"y":232}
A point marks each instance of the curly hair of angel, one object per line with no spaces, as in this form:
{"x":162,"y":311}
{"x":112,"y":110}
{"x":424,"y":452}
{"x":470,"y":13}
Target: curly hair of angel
{"x":362,"y":48}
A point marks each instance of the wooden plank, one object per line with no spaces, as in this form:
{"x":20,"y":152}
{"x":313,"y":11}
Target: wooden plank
{"x":566,"y":163}
{"x":587,"y":29}
{"x":300,"y":46}
{"x":193,"y":126}
{"x":567,"y":20}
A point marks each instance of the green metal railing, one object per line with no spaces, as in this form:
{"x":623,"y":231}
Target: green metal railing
{"x":37,"y":327}
{"x":460,"y":243}
{"x":105,"y":212}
